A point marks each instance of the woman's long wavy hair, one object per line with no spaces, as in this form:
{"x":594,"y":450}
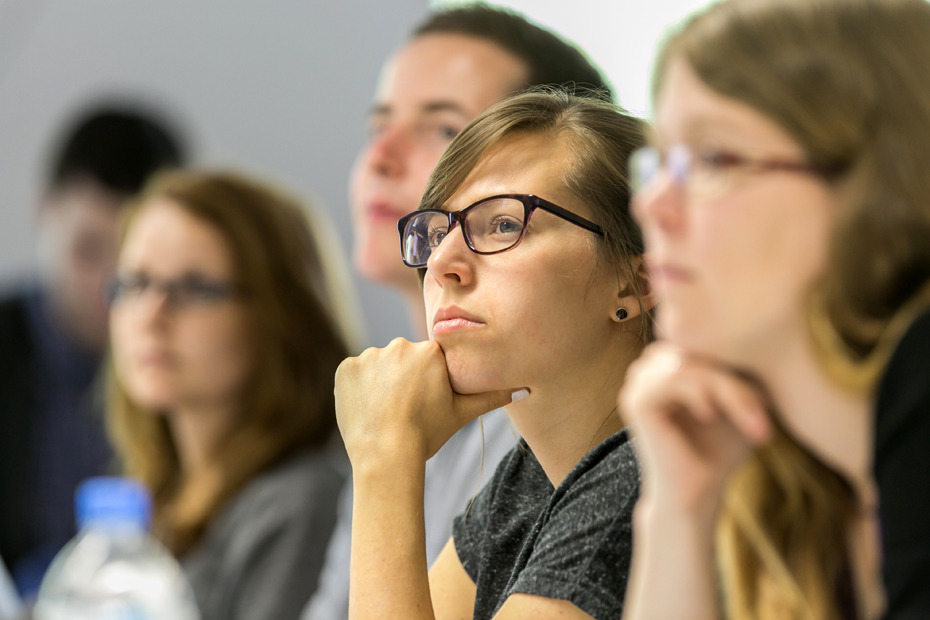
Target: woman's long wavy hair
{"x":848,"y":80}
{"x":288,"y":402}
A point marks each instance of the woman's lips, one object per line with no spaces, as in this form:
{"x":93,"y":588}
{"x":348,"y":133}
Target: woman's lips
{"x":384,"y":212}
{"x":454,"y":319}
{"x":454,"y":325}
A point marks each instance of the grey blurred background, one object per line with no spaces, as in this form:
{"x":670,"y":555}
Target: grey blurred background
{"x":278,"y":88}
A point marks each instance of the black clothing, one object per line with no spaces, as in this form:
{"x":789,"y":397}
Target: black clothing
{"x":902,"y":472}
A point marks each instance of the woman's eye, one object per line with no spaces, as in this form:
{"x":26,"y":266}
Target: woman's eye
{"x":447,"y":132}
{"x":435,"y":237}
{"x":506,"y":227}
{"x":193,"y":289}
{"x":133,"y":285}
{"x":438,"y":131}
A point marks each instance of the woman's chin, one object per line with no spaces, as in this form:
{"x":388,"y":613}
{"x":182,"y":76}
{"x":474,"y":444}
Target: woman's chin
{"x":152,"y":399}
{"x":473,"y":383}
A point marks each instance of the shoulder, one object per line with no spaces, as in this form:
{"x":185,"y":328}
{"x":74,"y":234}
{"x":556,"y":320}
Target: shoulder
{"x":903,"y":399}
{"x":505,"y":509}
{"x":13,"y":314}
{"x":295,"y":483}
{"x":612,"y":463}
{"x":289,"y":494}
{"x":263,"y":550}
{"x":582,"y":543}
{"x":289,"y":501}
{"x":902,"y":433}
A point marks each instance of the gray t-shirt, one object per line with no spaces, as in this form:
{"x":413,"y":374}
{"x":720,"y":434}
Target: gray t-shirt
{"x":572,"y":543}
{"x":260,"y":558}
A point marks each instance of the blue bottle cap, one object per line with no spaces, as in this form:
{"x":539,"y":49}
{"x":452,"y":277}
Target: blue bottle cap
{"x":112,"y":501}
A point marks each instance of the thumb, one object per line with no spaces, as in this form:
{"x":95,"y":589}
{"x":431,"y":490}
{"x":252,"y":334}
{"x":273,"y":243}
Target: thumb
{"x":470,"y":406}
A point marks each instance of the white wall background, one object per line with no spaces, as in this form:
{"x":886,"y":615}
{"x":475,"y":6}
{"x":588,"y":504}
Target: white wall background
{"x":280,"y":88}
{"x":619,"y":36}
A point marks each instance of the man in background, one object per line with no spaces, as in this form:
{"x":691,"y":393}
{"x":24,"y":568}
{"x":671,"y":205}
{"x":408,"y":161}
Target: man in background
{"x":456,"y":64}
{"x":53,"y":332}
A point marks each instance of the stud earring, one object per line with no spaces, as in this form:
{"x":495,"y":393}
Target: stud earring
{"x":621,"y":314}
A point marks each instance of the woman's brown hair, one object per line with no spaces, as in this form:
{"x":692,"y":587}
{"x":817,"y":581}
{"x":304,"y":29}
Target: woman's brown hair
{"x":600,"y":138}
{"x":288,"y":401}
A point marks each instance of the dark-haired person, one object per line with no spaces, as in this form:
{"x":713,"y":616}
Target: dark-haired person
{"x":455,"y":64}
{"x":53,"y":330}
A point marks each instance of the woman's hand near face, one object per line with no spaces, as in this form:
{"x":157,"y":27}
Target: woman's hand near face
{"x":694,"y":422}
{"x":398,"y":401}
{"x":396,"y":407}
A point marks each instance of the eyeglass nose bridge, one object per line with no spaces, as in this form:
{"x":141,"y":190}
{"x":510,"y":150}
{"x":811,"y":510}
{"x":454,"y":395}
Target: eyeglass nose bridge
{"x":163,"y":293}
{"x":673,"y":165}
{"x":456,"y":220}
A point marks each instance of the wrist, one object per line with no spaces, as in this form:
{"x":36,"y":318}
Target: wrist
{"x":660,"y":513}
{"x":385,"y":448}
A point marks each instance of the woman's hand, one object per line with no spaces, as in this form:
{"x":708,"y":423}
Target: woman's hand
{"x":396,"y":407}
{"x":694,"y":422}
{"x":398,"y":401}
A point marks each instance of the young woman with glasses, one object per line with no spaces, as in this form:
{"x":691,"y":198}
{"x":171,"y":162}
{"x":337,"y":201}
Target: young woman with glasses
{"x":783,"y":420}
{"x":223,"y":353}
{"x":534,"y":289}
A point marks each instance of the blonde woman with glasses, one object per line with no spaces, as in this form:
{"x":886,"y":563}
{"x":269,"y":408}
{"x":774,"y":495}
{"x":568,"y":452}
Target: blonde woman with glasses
{"x":783,"y":420}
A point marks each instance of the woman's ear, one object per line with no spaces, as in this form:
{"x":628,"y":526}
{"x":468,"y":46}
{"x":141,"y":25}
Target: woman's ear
{"x":633,"y":297}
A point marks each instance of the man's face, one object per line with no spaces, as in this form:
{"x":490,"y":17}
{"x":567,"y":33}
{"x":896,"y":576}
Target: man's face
{"x":428,"y":91}
{"x":78,"y":240}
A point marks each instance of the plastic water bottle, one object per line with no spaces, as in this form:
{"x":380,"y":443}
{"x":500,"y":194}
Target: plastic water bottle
{"x":113,"y":569}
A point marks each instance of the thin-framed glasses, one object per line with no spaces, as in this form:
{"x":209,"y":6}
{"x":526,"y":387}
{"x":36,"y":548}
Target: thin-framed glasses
{"x":489,"y":226}
{"x":186,"y":291}
{"x":706,"y":171}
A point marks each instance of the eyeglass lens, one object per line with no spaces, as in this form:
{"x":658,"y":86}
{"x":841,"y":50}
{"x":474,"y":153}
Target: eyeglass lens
{"x":491,"y":226}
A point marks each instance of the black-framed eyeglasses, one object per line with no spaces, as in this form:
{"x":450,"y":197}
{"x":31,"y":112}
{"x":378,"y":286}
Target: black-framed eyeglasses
{"x":489,"y":226}
{"x":183,"y":292}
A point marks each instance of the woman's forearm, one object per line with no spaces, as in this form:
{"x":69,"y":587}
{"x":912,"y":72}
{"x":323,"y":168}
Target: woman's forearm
{"x":389,"y":576}
{"x":673,"y":572}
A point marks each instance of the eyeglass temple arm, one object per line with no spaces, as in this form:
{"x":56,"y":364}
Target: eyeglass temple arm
{"x":568,"y":215}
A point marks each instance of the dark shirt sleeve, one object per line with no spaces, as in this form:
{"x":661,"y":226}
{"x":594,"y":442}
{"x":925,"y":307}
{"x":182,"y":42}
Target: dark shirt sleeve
{"x":582,"y":554}
{"x":902,"y":465}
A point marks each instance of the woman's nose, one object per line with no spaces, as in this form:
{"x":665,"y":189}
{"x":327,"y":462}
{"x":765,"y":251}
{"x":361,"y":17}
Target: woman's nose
{"x":452,"y":260}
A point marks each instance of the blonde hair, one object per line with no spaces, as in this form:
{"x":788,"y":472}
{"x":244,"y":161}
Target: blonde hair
{"x":287,"y":403}
{"x":847,"y":79}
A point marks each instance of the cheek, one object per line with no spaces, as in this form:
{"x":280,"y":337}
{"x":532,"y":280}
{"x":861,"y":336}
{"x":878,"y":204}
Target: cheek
{"x":357,"y":181}
{"x":220,"y":348}
{"x":421,"y":165}
{"x":120,"y":334}
{"x":753,"y":270}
